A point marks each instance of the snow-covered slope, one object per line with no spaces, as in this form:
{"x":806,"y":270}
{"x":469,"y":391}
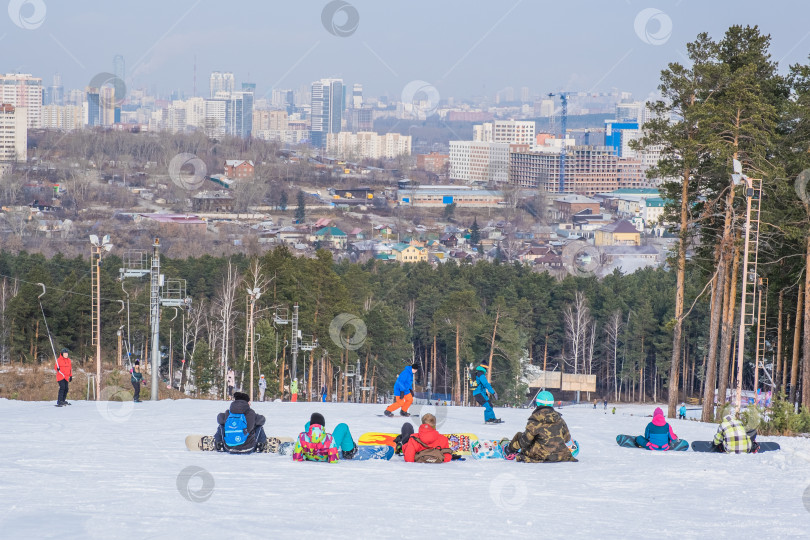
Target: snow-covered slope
{"x":121,"y":470}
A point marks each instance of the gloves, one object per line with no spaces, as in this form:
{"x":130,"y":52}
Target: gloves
{"x":70,"y":379}
{"x":402,"y":395}
{"x":495,"y":395}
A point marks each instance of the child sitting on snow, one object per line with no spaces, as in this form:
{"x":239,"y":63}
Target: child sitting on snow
{"x":315,"y":444}
{"x":546,"y":438}
{"x":659,"y":434}
{"x":429,"y":446}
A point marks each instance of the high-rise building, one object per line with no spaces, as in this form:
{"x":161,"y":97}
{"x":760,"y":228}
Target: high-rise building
{"x":25,"y":91}
{"x":524,"y":94}
{"x":13,"y":133}
{"x":357,"y":96}
{"x":215,"y":118}
{"x":239,"y":114}
{"x":93,"y":107}
{"x":119,"y":67}
{"x":221,"y":82}
{"x":62,"y":117}
{"x":327,"y":109}
{"x":479,"y":162}
{"x":368,"y":145}
{"x":505,"y":131}
{"x":249,"y":87}
{"x":55,"y":94}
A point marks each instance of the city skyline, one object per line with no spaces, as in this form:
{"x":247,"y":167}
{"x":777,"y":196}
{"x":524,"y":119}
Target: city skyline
{"x":604,"y":46}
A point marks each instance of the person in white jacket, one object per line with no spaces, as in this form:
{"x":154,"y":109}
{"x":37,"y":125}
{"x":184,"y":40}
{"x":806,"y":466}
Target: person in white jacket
{"x":262,"y":387}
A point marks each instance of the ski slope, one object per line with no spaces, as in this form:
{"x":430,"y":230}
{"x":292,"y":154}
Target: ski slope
{"x":121,"y":470}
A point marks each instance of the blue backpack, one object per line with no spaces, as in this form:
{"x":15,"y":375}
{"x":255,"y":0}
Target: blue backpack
{"x":236,"y":432}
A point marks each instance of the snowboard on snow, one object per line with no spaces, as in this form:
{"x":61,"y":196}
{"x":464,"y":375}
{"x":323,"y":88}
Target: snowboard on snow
{"x":397,"y":415}
{"x":206,"y":443}
{"x":375,"y":451}
{"x":629,"y":441}
{"x":491,"y":449}
{"x":706,"y":446}
{"x":460,"y":443}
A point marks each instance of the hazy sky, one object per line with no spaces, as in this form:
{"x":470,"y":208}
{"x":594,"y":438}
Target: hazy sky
{"x":463,"y":48}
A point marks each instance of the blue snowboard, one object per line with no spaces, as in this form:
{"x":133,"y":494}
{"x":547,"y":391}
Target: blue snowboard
{"x":629,"y":441}
{"x":365,"y":451}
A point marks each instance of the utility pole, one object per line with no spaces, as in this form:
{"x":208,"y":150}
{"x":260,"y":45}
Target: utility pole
{"x":294,"y":348}
{"x":254,"y":295}
{"x":154,"y":317}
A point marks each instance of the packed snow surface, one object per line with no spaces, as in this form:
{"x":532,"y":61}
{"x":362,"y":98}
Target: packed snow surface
{"x":121,"y":470}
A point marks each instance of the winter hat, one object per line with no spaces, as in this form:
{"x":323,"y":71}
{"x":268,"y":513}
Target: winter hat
{"x":262,"y":376}
{"x":137,"y":362}
{"x":240,"y":396}
{"x":544,"y":399}
{"x":65,"y":350}
{"x":317,"y":418}
{"x":658,"y":417}
{"x":415,"y":367}
{"x":482,"y":367}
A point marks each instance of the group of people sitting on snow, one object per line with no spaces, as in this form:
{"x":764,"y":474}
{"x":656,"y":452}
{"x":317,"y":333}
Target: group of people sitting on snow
{"x":545,"y":439}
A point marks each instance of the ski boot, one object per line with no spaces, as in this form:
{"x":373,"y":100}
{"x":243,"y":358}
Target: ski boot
{"x":403,"y":413}
{"x":350,"y":454}
{"x":388,"y":413}
{"x":208,"y":444}
{"x":59,"y":404}
{"x":494,"y":421}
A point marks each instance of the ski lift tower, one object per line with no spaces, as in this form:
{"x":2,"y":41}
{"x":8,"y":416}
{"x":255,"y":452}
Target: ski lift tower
{"x":162,"y":292}
{"x":748,"y":315}
{"x":97,"y":249}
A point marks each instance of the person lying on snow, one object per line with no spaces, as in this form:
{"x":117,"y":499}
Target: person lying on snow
{"x":240,"y":429}
{"x":429,"y":446}
{"x":732,"y":438}
{"x":546,"y":438}
{"x":315,"y":444}
{"x":659,"y":434}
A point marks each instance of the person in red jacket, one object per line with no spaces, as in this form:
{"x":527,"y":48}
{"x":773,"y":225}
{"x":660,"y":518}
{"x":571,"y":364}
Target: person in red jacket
{"x":428,"y":437}
{"x":64,"y":374}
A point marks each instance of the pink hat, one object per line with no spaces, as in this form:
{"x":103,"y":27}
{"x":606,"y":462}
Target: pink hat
{"x":658,"y":417}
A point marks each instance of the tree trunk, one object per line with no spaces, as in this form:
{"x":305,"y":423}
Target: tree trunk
{"x":680,"y":278}
{"x":492,"y":345}
{"x":797,"y":326}
{"x":806,"y":344}
{"x":308,"y":392}
{"x":778,"y":372}
{"x":281,"y":371}
{"x":710,"y":380}
{"x":728,"y":327}
{"x":345,"y":378}
{"x":457,"y":389}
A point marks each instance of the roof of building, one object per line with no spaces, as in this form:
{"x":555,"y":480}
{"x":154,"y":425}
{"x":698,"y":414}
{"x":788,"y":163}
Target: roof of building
{"x":635,"y":191}
{"x":213,"y":195}
{"x":330,"y":231}
{"x":237,"y":162}
{"x":578,"y":199}
{"x":655,"y":202}
{"x":629,"y":250}
{"x":182,"y":219}
{"x":403,"y":246}
{"x":622,"y":226}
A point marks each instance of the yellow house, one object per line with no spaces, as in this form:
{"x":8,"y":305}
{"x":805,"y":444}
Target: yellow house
{"x":621,"y":233}
{"x":410,"y":253}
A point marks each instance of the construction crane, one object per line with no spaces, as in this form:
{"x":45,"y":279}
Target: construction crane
{"x":564,"y":100}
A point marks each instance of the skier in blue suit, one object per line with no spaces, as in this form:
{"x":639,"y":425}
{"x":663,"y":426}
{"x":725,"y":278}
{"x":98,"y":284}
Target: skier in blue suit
{"x":483,"y":393}
{"x":403,"y":392}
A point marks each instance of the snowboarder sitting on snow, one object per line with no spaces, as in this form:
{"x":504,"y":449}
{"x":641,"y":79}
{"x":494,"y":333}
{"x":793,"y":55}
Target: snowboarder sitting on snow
{"x":546,"y":438}
{"x":484,"y":393}
{"x":682,"y":412}
{"x":732,"y":438}
{"x":403,"y":390}
{"x":240,"y":429}
{"x":64,"y":374}
{"x":429,"y":446}
{"x":659,"y":434}
{"x":315,"y":444}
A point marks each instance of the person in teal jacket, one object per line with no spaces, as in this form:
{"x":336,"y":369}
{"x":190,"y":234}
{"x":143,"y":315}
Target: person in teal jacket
{"x":682,"y":412}
{"x":659,"y":435}
{"x":483,"y":394}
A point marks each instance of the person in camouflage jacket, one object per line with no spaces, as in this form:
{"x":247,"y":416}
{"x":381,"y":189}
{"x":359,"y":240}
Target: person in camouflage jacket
{"x":546,"y":438}
{"x":732,"y":438}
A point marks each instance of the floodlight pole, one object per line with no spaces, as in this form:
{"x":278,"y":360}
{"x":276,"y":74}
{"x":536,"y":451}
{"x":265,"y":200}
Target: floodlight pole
{"x":741,"y":332}
{"x":154,"y":317}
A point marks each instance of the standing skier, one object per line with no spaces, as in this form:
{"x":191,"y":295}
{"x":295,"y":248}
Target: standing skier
{"x":682,"y":412}
{"x":484,"y":393}
{"x":262,"y":387}
{"x":64,"y":374}
{"x":136,"y":379}
{"x":403,"y":392}
{"x":294,"y":390}
{"x":231,"y":381}
{"x":323,"y":394}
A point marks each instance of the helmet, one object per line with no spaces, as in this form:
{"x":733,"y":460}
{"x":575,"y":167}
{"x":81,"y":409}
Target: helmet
{"x":544,"y":399}
{"x":64,"y":350}
{"x":262,"y":376}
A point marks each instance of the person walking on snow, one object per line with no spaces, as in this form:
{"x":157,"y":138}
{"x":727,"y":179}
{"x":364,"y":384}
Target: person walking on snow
{"x":682,"y":412}
{"x":136,"y":379}
{"x":484,"y":393}
{"x":64,"y":375}
{"x":403,"y":392}
{"x":262,"y":387}
{"x":294,"y":390}
{"x":659,"y":434}
{"x":231,"y":381}
{"x":323,"y":394}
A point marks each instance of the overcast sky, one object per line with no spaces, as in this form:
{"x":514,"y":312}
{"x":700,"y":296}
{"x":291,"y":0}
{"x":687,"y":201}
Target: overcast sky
{"x":464,"y":48}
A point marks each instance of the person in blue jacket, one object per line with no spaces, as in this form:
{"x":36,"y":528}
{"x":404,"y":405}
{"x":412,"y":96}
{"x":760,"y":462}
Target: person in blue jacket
{"x":682,"y":412}
{"x":483,"y":393}
{"x":403,"y":392}
{"x":659,"y":435}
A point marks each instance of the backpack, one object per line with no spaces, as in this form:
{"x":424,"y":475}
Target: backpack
{"x":473,"y":382}
{"x":236,"y":432}
{"x":429,"y":455}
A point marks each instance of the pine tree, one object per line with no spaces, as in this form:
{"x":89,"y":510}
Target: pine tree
{"x":300,"y":211}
